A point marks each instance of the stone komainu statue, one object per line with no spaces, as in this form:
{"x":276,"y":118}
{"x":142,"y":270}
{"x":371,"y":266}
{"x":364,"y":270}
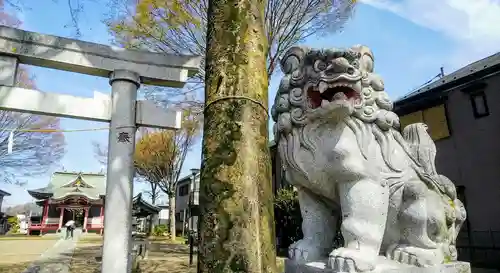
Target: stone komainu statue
{"x":343,"y":150}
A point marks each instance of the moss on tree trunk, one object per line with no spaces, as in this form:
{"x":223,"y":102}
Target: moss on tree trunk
{"x":236,"y":221}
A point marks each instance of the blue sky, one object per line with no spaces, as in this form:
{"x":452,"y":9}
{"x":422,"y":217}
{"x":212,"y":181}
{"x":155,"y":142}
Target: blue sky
{"x":411,"y":40}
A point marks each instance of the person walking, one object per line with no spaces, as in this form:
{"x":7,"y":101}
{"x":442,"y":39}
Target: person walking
{"x":70,"y":226}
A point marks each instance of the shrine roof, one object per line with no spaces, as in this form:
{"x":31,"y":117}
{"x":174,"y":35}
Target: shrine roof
{"x":142,"y":208}
{"x":65,"y":184}
{"x":4,"y":193}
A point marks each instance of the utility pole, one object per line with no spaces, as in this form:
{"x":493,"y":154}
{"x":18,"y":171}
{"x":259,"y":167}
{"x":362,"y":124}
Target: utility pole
{"x":236,"y":219}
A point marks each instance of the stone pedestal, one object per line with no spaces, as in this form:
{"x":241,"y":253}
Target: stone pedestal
{"x":385,"y":266}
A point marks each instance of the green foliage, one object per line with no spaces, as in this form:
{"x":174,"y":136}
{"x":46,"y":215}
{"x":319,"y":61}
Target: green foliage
{"x":160,"y":230}
{"x":14,"y":224}
{"x":289,"y":220}
{"x":287,"y":217}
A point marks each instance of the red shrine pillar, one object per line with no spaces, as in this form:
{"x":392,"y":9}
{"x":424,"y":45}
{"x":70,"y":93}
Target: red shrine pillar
{"x":45,"y":214}
{"x":61,"y":217}
{"x":102,"y":218}
{"x":85,"y":218}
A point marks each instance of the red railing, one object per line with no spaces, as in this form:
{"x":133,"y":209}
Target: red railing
{"x":42,"y":226}
{"x":35,"y":226}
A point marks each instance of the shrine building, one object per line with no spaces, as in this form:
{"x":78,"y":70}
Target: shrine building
{"x":70,"y":196}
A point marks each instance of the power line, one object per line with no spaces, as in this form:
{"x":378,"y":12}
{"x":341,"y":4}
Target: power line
{"x":415,"y":90}
{"x":55,"y":130}
{"x":10,"y":142}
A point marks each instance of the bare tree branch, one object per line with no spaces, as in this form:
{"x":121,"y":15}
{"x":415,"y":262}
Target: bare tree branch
{"x":33,"y":153}
{"x":100,"y":153}
{"x":154,"y":190}
{"x":147,"y":24}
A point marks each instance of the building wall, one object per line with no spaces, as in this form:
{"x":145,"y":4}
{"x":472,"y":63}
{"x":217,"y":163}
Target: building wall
{"x":95,"y":219}
{"x":1,"y":202}
{"x":182,"y":203}
{"x":53,"y":215}
{"x":163,"y":216}
{"x":23,"y":223}
{"x":470,"y":157}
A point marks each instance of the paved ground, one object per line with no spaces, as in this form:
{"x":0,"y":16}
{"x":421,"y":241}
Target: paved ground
{"x":79,"y":256}
{"x":16,"y":255}
{"x":30,"y":255}
{"x":56,"y":259}
{"x":172,"y":258}
{"x":168,"y":258}
{"x":84,"y":258}
{"x":19,"y":251}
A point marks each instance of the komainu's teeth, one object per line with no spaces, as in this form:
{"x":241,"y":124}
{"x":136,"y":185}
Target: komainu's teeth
{"x":339,"y":96}
{"x":324,"y":103}
{"x":322,"y":87}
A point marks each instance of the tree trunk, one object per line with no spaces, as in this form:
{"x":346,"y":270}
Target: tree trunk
{"x":236,"y":220}
{"x":171,"y":218}
{"x":154,"y":195}
{"x":150,"y":225}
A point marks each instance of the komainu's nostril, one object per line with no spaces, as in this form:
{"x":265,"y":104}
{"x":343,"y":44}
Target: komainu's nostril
{"x":350,"y":70}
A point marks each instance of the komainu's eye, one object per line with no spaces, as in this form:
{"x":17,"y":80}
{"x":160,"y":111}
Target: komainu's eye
{"x":319,"y":65}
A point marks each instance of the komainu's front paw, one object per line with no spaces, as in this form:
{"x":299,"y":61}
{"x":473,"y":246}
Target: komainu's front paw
{"x":305,"y":250}
{"x":414,"y":255}
{"x":351,"y":260}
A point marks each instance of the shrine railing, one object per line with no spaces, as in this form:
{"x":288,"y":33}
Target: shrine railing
{"x":38,"y":226}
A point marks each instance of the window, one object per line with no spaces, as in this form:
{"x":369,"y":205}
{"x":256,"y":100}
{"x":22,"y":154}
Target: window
{"x":434,"y":117}
{"x":477,"y":97}
{"x":479,"y":104}
{"x":183,"y":190}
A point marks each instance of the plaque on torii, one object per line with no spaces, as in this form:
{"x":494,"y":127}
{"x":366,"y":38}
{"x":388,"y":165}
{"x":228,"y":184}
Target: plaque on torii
{"x":126,"y":70}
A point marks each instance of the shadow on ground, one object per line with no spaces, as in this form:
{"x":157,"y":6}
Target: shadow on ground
{"x":13,"y":268}
{"x":49,"y":265}
{"x":162,"y":258}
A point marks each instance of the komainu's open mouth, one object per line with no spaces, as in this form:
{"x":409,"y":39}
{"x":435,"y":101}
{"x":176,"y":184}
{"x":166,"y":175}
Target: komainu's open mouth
{"x":324,"y":93}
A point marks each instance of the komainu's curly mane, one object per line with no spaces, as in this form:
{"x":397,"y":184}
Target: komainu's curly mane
{"x":371,"y":111}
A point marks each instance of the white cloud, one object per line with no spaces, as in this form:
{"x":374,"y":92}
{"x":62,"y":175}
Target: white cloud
{"x":473,"y":25}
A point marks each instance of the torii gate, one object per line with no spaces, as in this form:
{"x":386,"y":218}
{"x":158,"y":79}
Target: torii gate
{"x":126,"y":70}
